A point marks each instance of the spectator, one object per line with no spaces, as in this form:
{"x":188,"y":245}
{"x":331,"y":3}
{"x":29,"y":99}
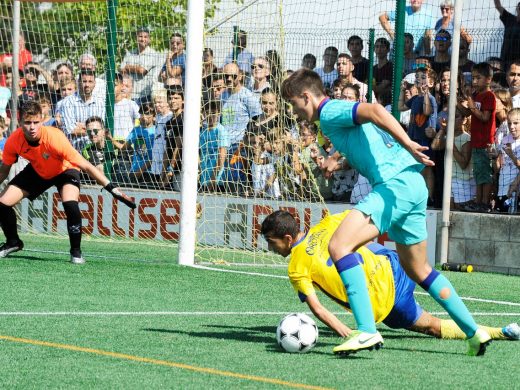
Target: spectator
{"x":361,"y":64}
{"x":80,"y":106}
{"x":350,"y":93}
{"x":269,"y":120}
{"x":5,"y":97}
{"x":175,"y":64}
{"x":209,"y":69}
{"x":508,"y":161}
{"x":142,"y":65}
{"x":384,"y":70}
{"x":419,"y":21}
{"x":504,"y":105}
{"x":309,"y":61}
{"x":260,"y":71}
{"x":446,"y":21}
{"x":328,"y":72}
{"x":284,"y":158}
{"x":510,"y":51}
{"x":174,"y":130}
{"x":214,"y":143}
{"x":482,"y":107}
{"x":345,"y":76}
{"x":465,"y":64}
{"x":497,"y":66}
{"x":126,"y":111}
{"x":6,"y":60}
{"x":275,"y":69}
{"x":140,"y":140}
{"x":423,"y":62}
{"x":265,"y":183}
{"x":513,"y":79}
{"x":240,"y":55}
{"x":409,"y":54}
{"x":67,"y":88}
{"x":88,"y":62}
{"x":45,"y":104}
{"x":335,"y":93}
{"x":95,"y":152}
{"x":218,"y":86}
{"x":4,"y":127}
{"x":173,"y":82}
{"x":423,"y":119}
{"x":33,"y":88}
{"x":63,"y":71}
{"x":442,"y":56}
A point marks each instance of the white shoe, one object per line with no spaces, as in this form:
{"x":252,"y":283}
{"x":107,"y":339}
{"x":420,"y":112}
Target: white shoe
{"x":77,"y":260}
{"x":512,"y":331}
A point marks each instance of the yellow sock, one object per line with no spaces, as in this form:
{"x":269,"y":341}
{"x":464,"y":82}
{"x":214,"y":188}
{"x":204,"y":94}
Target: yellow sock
{"x":451,"y":331}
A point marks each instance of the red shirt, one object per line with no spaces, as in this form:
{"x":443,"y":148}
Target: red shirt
{"x":53,"y":155}
{"x":483,"y":133}
{"x":24,"y":57}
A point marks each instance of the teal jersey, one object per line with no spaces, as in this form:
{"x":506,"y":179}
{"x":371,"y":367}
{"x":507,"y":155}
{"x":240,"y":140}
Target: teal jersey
{"x":367,"y":148}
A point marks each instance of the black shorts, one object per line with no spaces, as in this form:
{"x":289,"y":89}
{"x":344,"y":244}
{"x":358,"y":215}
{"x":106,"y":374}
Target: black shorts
{"x":35,"y":185}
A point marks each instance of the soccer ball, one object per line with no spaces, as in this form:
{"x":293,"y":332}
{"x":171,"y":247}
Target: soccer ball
{"x":297,"y":332}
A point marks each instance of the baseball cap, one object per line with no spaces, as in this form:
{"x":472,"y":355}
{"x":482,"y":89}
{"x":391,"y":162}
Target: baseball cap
{"x":410,"y":78}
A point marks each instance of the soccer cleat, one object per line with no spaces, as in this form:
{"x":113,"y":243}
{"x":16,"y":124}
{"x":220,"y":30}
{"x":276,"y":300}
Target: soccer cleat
{"x":77,"y":259}
{"x":478,"y":343}
{"x":512,"y":331}
{"x":7,"y":248}
{"x":359,"y":341}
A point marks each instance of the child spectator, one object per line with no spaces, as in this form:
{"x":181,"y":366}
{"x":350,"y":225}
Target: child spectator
{"x":335,"y":91}
{"x":262,"y":170}
{"x":504,"y":105}
{"x":46,"y":106}
{"x":214,"y":143}
{"x":423,"y":116}
{"x":482,"y":107}
{"x":350,"y":92}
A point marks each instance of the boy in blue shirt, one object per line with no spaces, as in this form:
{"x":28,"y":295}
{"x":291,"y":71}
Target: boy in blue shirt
{"x":375,"y":144}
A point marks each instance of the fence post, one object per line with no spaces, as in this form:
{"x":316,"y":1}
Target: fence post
{"x":398,"y":55}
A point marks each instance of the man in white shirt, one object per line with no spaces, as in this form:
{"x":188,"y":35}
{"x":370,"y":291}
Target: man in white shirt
{"x":513,"y":79}
{"x":328,"y":72}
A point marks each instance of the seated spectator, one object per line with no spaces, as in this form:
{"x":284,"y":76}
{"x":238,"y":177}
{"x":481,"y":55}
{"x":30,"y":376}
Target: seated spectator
{"x":309,"y":61}
{"x":88,"y":62}
{"x":95,"y":151}
{"x":209,"y":69}
{"x":140,"y":141}
{"x":510,"y":51}
{"x":80,"y":106}
{"x":328,"y":72}
{"x":260,"y":71}
{"x":442,"y":56}
{"x":214,"y":144}
{"x":361,"y":64}
{"x":446,"y":21}
{"x":240,"y":55}
{"x":175,"y":64}
{"x":465,"y":64}
{"x":346,"y":76}
{"x":384,"y":70}
{"x":174,"y":130}
{"x":409,"y":54}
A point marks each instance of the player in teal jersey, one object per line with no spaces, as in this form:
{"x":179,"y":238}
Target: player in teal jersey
{"x":375,"y":144}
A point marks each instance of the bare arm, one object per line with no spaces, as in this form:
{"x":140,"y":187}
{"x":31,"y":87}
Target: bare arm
{"x":463,"y":156}
{"x":427,"y":104}
{"x":483,"y":116}
{"x":464,"y":34}
{"x":402,"y":105}
{"x":137,"y":69}
{"x":385,"y":23}
{"x":377,"y":114}
{"x":326,"y":316}
{"x":498,"y":6}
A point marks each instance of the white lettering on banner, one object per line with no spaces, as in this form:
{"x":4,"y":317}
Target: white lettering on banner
{"x":223,"y":221}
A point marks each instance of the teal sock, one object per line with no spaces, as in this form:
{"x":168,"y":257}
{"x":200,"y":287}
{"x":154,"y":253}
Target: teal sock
{"x":443,"y":292}
{"x":353,"y":278}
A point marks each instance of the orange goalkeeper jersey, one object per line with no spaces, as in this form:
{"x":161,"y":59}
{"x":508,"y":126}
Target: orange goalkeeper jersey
{"x":53,"y":155}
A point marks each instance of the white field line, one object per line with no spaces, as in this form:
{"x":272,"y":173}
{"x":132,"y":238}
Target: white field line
{"x":506,"y":303}
{"x":191,"y":313}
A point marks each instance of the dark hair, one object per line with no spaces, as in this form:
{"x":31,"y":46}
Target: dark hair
{"x":354,"y":87}
{"x":279,"y":224}
{"x":409,"y":36}
{"x":30,"y":108}
{"x":65,"y":64}
{"x":174,"y":90}
{"x":383,"y":41}
{"x":332,"y":48}
{"x":93,"y":119}
{"x":515,"y":63}
{"x":212,"y":106}
{"x":147,"y":108}
{"x":177,"y":35}
{"x":86,"y":72}
{"x":445,"y":32}
{"x":144,"y":29}
{"x":208,"y":50}
{"x":483,"y":69}
{"x":300,"y":80}
{"x":354,"y":38}
{"x":344,"y":55}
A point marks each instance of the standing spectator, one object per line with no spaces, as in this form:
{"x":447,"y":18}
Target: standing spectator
{"x":140,"y":140}
{"x":419,"y":22}
{"x":423,"y":119}
{"x":384,"y":70}
{"x":361,"y":64}
{"x":175,"y":64}
{"x":513,"y":79}
{"x":95,"y":152}
{"x":6,"y":60}
{"x":275,"y":69}
{"x":209,"y":69}
{"x":63,"y":71}
{"x":80,"y":106}
{"x":508,"y":161}
{"x":409,"y":54}
{"x":504,"y":105}
{"x":510,"y":51}
{"x":328,"y":72}
{"x":465,"y":64}
{"x":88,"y":62}
{"x":269,"y":120}
{"x":260,"y":71}
{"x":446,"y":21}
{"x":126,"y":111}
{"x":67,"y":87}
{"x":346,"y":76}
{"x":442,"y":56}
{"x":142,"y":65}
{"x":309,"y":61}
{"x":240,"y":55}
{"x":214,"y":143}
{"x":33,"y":88}
{"x":174,"y":130}
{"x":482,"y":107}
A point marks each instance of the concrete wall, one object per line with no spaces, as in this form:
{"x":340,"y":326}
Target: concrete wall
{"x":490,"y":242}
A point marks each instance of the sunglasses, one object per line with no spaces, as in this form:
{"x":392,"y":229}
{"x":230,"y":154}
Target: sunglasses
{"x":259,"y":66}
{"x":93,"y":131}
{"x":442,"y":39}
{"x":233,"y":76}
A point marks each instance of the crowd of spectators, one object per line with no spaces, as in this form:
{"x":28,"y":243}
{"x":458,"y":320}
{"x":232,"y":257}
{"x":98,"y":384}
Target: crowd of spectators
{"x":250,"y":142}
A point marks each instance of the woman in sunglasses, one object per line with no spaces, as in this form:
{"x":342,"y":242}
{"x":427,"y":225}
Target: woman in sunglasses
{"x":446,"y":21}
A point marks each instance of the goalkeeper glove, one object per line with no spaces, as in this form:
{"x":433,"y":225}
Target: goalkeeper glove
{"x":120,"y":195}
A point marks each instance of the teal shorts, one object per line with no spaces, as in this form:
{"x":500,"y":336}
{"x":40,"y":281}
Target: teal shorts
{"x":482,"y":170}
{"x":398,"y":206}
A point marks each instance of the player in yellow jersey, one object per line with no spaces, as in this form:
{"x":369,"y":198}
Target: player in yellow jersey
{"x":390,"y":289}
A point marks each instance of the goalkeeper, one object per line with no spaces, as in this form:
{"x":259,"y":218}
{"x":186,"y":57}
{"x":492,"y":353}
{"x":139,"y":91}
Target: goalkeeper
{"x":390,"y":289}
{"x":52,"y":162}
